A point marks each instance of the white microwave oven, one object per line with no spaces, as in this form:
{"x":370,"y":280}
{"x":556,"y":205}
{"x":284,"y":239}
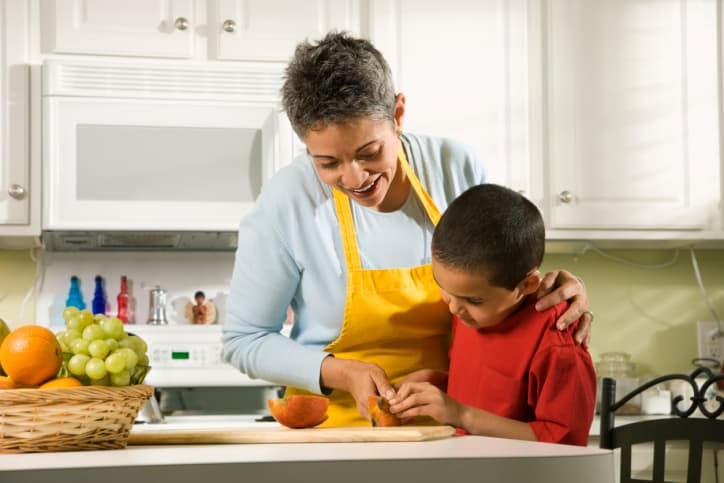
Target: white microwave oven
{"x":151,"y":147}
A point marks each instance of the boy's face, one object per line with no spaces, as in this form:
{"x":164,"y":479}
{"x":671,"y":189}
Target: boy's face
{"x":471,"y":297}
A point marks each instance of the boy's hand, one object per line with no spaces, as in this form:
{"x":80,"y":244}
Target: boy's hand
{"x":436,"y":378}
{"x":424,"y":399}
{"x":561,"y":285}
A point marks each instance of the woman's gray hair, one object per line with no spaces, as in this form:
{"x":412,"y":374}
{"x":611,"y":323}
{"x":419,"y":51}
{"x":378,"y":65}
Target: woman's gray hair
{"x":338,"y":79}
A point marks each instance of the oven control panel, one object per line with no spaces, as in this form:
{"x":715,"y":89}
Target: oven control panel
{"x":189,"y":356}
{"x":184,"y":355}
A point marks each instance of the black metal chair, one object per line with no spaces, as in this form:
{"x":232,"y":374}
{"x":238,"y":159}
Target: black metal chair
{"x":677,"y":427}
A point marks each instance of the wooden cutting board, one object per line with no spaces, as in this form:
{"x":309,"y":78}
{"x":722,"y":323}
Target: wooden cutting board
{"x":286,"y":435}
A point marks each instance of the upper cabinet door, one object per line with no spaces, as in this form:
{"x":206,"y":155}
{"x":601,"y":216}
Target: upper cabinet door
{"x":149,"y":28}
{"x":465,"y":73}
{"x":633,"y":114}
{"x":15,"y":170}
{"x":268,"y":30}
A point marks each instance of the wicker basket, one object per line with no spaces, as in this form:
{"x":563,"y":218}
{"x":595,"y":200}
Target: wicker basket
{"x":68,"y":419}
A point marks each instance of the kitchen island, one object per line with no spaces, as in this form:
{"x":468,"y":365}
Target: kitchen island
{"x":458,"y":459}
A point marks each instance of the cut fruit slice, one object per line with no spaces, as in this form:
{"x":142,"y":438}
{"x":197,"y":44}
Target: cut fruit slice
{"x":380,"y":414}
{"x":299,"y":411}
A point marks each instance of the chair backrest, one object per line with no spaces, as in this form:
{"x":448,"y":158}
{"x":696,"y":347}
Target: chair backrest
{"x":677,"y":427}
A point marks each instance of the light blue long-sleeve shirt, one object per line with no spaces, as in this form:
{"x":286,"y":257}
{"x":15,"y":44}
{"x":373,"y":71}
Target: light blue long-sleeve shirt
{"x":290,"y":252}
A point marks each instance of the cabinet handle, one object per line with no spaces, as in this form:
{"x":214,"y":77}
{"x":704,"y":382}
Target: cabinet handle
{"x":565,"y":196}
{"x":229,"y":26}
{"x":17,"y":192}
{"x":181,"y":23}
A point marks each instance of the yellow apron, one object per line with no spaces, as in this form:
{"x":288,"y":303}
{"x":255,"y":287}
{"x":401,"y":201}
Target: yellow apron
{"x":393,"y":317}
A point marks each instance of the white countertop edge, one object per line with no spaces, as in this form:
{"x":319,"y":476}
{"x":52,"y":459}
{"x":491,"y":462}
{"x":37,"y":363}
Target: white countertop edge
{"x":460,"y":447}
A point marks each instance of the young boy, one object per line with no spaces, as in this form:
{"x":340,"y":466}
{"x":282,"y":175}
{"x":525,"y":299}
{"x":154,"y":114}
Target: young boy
{"x":512,"y":373}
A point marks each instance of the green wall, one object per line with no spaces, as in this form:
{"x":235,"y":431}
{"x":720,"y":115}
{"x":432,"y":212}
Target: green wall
{"x":649,"y":313}
{"x":17,"y":273}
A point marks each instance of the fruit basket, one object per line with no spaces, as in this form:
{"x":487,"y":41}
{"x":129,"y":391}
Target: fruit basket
{"x":69,"y":419}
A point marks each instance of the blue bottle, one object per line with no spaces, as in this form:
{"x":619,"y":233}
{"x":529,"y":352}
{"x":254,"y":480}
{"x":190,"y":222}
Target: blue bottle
{"x":99,"y":297}
{"x":75,"y":297}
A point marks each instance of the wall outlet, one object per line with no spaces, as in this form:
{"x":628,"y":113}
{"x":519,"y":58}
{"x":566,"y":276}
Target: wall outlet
{"x":710,"y":340}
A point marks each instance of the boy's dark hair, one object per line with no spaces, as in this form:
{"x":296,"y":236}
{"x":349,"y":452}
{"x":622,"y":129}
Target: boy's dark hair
{"x":491,"y":230}
{"x":338,"y":79}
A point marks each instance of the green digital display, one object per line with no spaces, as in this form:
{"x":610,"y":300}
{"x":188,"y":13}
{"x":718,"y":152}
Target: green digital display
{"x":180,"y":356}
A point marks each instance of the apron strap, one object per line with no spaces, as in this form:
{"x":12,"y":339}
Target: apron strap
{"x":430,"y":208}
{"x":346,"y":222}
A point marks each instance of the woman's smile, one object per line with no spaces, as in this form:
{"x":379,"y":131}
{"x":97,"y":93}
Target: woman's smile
{"x":369,"y":190}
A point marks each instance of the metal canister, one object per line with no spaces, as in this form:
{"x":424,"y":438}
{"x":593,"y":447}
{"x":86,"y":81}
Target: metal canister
{"x":157,"y":307}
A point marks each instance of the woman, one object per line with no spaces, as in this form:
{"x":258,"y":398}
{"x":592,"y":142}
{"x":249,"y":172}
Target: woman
{"x":343,"y":235}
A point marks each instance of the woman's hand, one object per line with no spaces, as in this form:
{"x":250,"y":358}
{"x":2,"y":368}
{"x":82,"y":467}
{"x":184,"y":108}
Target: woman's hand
{"x":360,"y":379}
{"x":424,"y":399}
{"x":561,"y":285}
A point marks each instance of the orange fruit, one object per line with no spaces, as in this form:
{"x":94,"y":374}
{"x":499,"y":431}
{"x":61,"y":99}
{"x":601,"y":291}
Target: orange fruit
{"x":300,"y":411}
{"x":61,"y":382}
{"x":30,"y":355}
{"x":380,"y":414}
{"x":7,"y":383}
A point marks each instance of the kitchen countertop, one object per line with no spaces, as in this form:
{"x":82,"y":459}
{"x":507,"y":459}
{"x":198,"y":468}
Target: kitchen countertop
{"x":465,"y":458}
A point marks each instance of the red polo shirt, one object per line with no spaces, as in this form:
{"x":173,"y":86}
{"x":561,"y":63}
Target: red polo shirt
{"x":526,"y":369}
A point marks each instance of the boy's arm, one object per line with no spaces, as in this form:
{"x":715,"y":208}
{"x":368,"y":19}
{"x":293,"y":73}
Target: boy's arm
{"x":562,"y":391}
{"x":484,"y":423}
{"x":423,"y":399}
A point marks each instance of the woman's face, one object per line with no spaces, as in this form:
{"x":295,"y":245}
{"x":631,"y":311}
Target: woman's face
{"x":359,"y":157}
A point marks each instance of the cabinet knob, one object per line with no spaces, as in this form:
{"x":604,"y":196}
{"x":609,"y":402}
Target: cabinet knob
{"x":565,"y":196}
{"x":17,"y":192}
{"x":181,"y":23}
{"x":229,"y":26}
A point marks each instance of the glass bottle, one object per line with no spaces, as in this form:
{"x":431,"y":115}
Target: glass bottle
{"x":99,"y":297}
{"x":618,"y":365}
{"x":75,"y":297}
{"x":123,"y":301}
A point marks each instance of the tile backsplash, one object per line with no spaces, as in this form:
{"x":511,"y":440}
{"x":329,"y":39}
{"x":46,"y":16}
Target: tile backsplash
{"x":181,"y":274}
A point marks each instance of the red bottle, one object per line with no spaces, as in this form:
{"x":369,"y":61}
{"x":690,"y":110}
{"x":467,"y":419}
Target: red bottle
{"x":123,"y":301}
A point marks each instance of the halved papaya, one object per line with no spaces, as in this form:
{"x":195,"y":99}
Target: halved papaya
{"x":299,"y":411}
{"x":380,"y":414}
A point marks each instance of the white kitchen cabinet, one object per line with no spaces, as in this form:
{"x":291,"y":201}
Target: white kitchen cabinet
{"x":465,"y":74}
{"x":256,"y":30}
{"x":18,"y":198}
{"x":153,"y":28}
{"x":632,"y":122}
{"x":268,"y":30}
{"x":605,"y":114}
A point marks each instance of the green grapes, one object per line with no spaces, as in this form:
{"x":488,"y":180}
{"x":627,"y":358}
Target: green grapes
{"x":93,"y":332}
{"x":98,"y":348}
{"x":95,"y":368}
{"x":79,"y":346}
{"x":77,"y":363}
{"x":99,"y":351}
{"x":122,"y":378}
{"x":115,"y":363}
